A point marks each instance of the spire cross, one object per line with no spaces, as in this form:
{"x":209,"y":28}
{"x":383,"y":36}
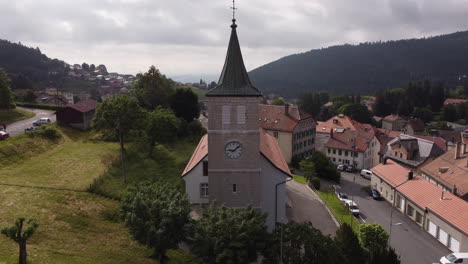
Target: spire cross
{"x":233,"y":9}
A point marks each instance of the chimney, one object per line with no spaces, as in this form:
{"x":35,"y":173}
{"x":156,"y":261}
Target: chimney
{"x":385,"y":161}
{"x":442,"y":197}
{"x":455,"y":189}
{"x":410,"y":175}
{"x":286,"y":109}
{"x":457,"y":150}
{"x":331,"y":133}
{"x":464,"y":148}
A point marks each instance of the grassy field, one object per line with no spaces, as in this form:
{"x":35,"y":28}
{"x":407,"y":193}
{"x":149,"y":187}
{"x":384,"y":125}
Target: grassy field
{"x":299,"y":179}
{"x":75,"y":226}
{"x":341,"y":213}
{"x":13,"y":115}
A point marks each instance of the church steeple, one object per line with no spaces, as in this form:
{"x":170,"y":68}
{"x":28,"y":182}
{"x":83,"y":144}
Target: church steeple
{"x":234,"y":80}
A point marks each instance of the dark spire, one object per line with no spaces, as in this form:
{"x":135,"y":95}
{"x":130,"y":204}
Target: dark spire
{"x":234,"y":80}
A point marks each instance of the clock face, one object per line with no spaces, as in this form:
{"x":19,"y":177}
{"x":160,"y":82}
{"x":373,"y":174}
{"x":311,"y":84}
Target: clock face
{"x":233,"y":149}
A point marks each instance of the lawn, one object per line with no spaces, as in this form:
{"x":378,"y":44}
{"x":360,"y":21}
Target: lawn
{"x":337,"y":208}
{"x":13,"y":115}
{"x":299,"y":179}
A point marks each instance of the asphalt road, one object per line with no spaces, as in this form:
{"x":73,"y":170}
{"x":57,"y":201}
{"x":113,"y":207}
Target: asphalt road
{"x":304,"y":205}
{"x":18,"y":127}
{"x":413,"y":243}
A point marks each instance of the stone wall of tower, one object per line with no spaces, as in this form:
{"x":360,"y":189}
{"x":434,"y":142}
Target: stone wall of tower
{"x":244,"y":171}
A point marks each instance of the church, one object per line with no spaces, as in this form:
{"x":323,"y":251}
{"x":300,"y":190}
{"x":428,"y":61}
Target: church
{"x":237,"y":163}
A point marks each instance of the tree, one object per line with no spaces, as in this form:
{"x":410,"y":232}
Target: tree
{"x":102,"y":69}
{"x":155,"y":215}
{"x":278,"y":101}
{"x":449,"y":113}
{"x":26,"y":96}
{"x":373,"y":237}
{"x":6,"y":96}
{"x":17,"y":234}
{"x":152,"y":89}
{"x":423,"y":113}
{"x":308,"y":167}
{"x":357,"y":112}
{"x":184,"y":103}
{"x":92,"y":67}
{"x":386,"y":256}
{"x":311,"y":102}
{"x":324,"y":167}
{"x":229,"y":235}
{"x":161,"y":126}
{"x":348,"y":242}
{"x":85,"y":66}
{"x":118,"y":114}
{"x":21,"y":82}
{"x":212,"y":85}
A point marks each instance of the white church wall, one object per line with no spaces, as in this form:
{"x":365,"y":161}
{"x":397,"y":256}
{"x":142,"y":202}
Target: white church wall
{"x":193,"y":181}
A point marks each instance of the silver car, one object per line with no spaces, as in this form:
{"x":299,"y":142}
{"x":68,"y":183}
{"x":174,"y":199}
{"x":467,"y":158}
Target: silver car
{"x":42,"y":121}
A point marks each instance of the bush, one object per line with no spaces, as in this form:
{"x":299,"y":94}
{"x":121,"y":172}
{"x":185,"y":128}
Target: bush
{"x":40,"y":106}
{"x":49,"y":132}
{"x":316,"y":183}
{"x":295,"y":160}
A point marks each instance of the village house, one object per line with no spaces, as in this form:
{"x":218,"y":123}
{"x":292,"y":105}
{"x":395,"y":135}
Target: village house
{"x":293,"y":128}
{"x":78,"y":115}
{"x":413,"y":126}
{"x":337,"y":122}
{"x":454,"y":101}
{"x":393,"y":122}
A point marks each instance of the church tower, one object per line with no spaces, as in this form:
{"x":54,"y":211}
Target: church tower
{"x":234,"y":166}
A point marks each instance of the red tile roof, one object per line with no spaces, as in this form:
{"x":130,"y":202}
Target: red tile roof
{"x":437,"y":140}
{"x":392,"y":173}
{"x":392,"y":118}
{"x":268,"y":147}
{"x":420,"y":191}
{"x":341,"y":122}
{"x":273,"y":117}
{"x":359,"y":138}
{"x":389,"y":133}
{"x":454,"y":101}
{"x":85,"y":106}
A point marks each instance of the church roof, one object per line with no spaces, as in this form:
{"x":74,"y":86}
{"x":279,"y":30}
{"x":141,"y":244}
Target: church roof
{"x":269,"y":148}
{"x":234,"y":80}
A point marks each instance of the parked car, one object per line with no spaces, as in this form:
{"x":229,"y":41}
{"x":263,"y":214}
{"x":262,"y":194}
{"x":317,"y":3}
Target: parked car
{"x":4,"y":135}
{"x":42,"y":121}
{"x":367,"y":174}
{"x":342,"y":196}
{"x":375,"y":194}
{"x":352,"y":206}
{"x":350,"y":168}
{"x":30,"y":129}
{"x":341,"y":167}
{"x":455,"y":258}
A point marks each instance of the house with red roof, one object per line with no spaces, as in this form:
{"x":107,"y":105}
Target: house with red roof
{"x":413,"y":126}
{"x":78,"y":115}
{"x":440,"y":213}
{"x":337,"y":122}
{"x":293,"y":129}
{"x":454,"y":101}
{"x":393,"y":122}
{"x":237,"y":164}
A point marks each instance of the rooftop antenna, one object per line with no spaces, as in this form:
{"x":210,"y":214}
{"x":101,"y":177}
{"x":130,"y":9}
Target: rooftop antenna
{"x":234,"y":11}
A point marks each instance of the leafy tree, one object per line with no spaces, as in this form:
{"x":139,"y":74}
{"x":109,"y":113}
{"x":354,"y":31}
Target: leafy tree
{"x":373,"y":237}
{"x":152,"y":89}
{"x":161,"y":126}
{"x":277,"y":101}
{"x":423,"y":113}
{"x":229,"y":235}
{"x":17,"y":234}
{"x":155,"y":215}
{"x":102,"y":68}
{"x":21,"y":82}
{"x":6,"y":96}
{"x":85,"y":66}
{"x":301,"y":243}
{"x":118,"y":114}
{"x":449,"y":113}
{"x":26,"y":96}
{"x":324,"y":167}
{"x":386,"y":256}
{"x":184,"y":103}
{"x":357,"y":112}
{"x":212,"y":85}
{"x":92,"y":67}
{"x":348,"y":242}
{"x":312,"y":102}
{"x":308,"y":167}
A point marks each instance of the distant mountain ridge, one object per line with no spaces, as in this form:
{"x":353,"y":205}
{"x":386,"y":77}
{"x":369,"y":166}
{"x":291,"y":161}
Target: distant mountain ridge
{"x":367,"y":67}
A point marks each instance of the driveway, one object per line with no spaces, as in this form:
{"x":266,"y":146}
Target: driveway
{"x":304,"y":205}
{"x":413,"y":243}
{"x":18,"y":127}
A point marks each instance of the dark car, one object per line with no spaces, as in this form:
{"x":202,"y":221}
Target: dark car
{"x":350,"y":168}
{"x":375,"y":194}
{"x":30,"y":129}
{"x":4,"y":135}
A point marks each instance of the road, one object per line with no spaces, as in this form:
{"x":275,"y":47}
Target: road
{"x":304,"y":205}
{"x":18,"y":127}
{"x":413,"y":243}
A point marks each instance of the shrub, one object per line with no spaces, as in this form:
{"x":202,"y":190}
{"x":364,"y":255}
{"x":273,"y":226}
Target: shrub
{"x":316,"y":183}
{"x":49,"y":132}
{"x":40,"y":106}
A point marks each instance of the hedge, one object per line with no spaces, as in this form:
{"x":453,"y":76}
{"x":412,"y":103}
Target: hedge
{"x":41,"y":106}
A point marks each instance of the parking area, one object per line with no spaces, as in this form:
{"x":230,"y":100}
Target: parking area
{"x":413,"y":243}
{"x":18,"y":127}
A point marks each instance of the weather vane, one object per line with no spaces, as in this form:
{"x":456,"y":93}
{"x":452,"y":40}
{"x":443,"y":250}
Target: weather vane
{"x":234,"y":9}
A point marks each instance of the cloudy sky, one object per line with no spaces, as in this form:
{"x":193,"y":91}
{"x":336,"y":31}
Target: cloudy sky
{"x":189,"y":37}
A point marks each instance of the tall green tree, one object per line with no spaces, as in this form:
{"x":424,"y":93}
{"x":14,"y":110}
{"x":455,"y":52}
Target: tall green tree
{"x":308,"y":167}
{"x":152,"y":89}
{"x":184,"y":103}
{"x":20,"y":236}
{"x":229,"y":235}
{"x":156,"y":216}
{"x":119,"y":115}
{"x":277,"y":101}
{"x":324,"y":167}
{"x":161,"y":126}
{"x":373,"y":237}
{"x":357,"y":112}
{"x":348,"y":242}
{"x":6,"y":96}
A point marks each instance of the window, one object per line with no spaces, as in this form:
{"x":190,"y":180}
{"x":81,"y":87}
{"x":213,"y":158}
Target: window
{"x":226,"y":114}
{"x":401,"y":155}
{"x":305,"y":143}
{"x":275,"y":134}
{"x":339,"y":160}
{"x":204,"y":190}
{"x":328,"y":151}
{"x":418,"y":217}
{"x":396,"y":153}
{"x":339,"y":152}
{"x":234,"y":188}
{"x":334,"y":151}
{"x":356,"y":154}
{"x":241,"y":114}
{"x":334,"y":159}
{"x":410,"y":210}
{"x":205,"y":168}
{"x":346,"y":153}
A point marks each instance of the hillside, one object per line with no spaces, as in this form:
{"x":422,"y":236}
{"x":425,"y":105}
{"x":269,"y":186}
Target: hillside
{"x":366,"y":67}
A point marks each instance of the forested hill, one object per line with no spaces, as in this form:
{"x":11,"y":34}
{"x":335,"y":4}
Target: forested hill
{"x":367,"y":67}
{"x":17,"y":59}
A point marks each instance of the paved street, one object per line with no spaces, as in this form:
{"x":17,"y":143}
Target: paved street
{"x":17,"y":128}
{"x":304,"y":205}
{"x":410,"y":241}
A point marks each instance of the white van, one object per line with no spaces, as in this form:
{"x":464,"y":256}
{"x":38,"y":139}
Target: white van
{"x":366,"y":174}
{"x":455,"y":258}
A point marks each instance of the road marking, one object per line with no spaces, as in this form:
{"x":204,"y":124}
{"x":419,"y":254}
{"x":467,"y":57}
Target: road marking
{"x":362,"y":219}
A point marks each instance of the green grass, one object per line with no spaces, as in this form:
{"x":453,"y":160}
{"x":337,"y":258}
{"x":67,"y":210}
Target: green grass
{"x":341,"y":213}
{"x":299,"y":179}
{"x":13,"y":115}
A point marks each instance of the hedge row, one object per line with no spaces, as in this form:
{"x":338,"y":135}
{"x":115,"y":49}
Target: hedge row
{"x":41,"y":106}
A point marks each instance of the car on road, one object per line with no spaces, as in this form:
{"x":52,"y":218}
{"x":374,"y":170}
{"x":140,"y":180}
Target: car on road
{"x":455,"y":258}
{"x":375,"y":194}
{"x":342,"y":196}
{"x":4,"y":135}
{"x":350,"y":168}
{"x":352,"y":206}
{"x":367,"y":174}
{"x":42,"y":121}
{"x":30,"y":129}
{"x":341,"y":167}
